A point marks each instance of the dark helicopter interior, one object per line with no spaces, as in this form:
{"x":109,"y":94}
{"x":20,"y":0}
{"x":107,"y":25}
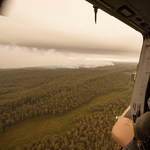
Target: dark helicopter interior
{"x":133,"y":13}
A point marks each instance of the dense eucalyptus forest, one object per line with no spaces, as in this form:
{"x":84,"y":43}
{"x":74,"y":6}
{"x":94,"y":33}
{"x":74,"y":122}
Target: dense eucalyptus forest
{"x":35,"y":93}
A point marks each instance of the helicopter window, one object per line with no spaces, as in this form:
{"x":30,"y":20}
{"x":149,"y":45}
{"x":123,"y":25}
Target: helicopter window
{"x":143,"y":24}
{"x":138,"y":19}
{"x":125,"y":11}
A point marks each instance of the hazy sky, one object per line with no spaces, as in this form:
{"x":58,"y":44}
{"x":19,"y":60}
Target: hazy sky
{"x":66,"y":26}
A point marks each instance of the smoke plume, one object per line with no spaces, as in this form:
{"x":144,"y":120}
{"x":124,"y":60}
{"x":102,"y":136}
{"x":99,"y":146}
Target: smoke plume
{"x":14,"y":56}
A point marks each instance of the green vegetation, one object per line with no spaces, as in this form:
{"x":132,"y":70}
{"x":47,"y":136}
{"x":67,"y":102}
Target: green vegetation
{"x":63,"y":108}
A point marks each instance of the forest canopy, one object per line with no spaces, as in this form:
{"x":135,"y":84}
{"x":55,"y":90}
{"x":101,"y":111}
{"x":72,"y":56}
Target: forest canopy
{"x":36,"y":92}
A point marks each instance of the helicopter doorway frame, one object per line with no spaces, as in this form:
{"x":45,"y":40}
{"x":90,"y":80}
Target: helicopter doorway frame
{"x":141,"y":89}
